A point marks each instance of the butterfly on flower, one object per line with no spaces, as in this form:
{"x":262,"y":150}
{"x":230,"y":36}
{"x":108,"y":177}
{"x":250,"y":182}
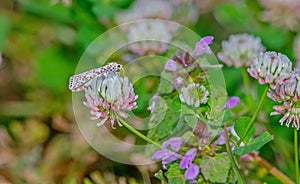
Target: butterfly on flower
{"x":83,"y":80}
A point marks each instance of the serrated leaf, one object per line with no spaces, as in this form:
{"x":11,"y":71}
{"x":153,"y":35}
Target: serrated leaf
{"x":240,"y":128}
{"x":255,"y":144}
{"x":215,"y":169}
{"x":175,"y":175}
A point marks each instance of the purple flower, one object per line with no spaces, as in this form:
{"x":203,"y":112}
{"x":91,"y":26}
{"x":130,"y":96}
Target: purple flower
{"x":171,"y":65}
{"x":174,"y":142}
{"x":186,"y":163}
{"x":167,"y":155}
{"x":109,"y":97}
{"x":178,"y":82}
{"x":232,"y":102}
{"x":202,"y":46}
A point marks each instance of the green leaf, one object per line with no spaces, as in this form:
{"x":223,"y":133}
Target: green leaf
{"x":215,"y":169}
{"x":160,"y":175}
{"x":175,"y":175}
{"x":165,"y":85}
{"x":255,"y":144}
{"x":240,"y":128}
{"x":191,"y":120}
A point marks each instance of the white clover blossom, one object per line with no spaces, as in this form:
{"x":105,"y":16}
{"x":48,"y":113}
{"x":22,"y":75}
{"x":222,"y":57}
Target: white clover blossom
{"x":110,"y":97}
{"x":240,"y":49}
{"x":149,"y":37}
{"x":282,"y":13}
{"x":194,"y":95}
{"x":271,"y":68}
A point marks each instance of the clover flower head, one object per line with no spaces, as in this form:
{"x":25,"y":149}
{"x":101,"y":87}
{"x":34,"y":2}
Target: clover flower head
{"x":271,"y":68}
{"x":194,"y":95}
{"x":240,"y":49}
{"x":144,"y":9}
{"x":288,"y":94}
{"x":110,"y":97}
{"x":148,"y":37}
{"x":282,"y":13}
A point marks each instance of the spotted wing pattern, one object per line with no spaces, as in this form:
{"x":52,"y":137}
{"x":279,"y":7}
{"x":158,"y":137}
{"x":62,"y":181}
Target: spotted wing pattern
{"x":83,"y":80}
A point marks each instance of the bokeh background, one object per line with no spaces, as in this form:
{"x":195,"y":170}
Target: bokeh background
{"x":41,"y":42}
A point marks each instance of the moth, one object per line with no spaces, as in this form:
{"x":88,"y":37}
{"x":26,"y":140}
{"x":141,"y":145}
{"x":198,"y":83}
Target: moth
{"x":83,"y":80}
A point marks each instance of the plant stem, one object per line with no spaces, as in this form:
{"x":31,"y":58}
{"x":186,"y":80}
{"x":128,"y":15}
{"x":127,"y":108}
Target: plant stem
{"x":247,"y":83}
{"x":273,"y":170}
{"x":137,"y":133}
{"x":296,"y":150}
{"x":254,"y":116}
{"x":234,"y":165}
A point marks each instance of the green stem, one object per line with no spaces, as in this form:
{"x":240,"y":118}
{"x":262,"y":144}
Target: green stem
{"x":247,"y":83}
{"x":254,"y":116}
{"x":231,"y":158}
{"x":137,"y":133}
{"x":296,"y":150}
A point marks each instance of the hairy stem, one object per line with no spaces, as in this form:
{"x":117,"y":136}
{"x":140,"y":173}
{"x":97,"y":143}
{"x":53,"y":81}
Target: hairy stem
{"x":273,"y":170}
{"x":228,"y":149}
{"x":137,"y":133}
{"x":254,"y":116}
{"x":296,"y":152}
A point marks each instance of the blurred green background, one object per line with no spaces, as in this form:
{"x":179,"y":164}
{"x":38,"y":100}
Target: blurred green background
{"x":41,"y":42}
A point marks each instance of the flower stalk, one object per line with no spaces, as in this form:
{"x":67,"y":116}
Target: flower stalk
{"x":296,"y":152}
{"x":139,"y":134}
{"x":228,"y":149}
{"x":254,"y":116}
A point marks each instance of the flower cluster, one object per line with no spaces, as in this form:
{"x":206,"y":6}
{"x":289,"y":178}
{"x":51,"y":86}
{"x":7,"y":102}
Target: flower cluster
{"x":275,"y":69}
{"x":271,"y":68}
{"x":168,"y":155}
{"x":194,"y":95}
{"x":149,"y":37}
{"x":282,"y":13}
{"x":240,"y":49}
{"x":109,"y":97}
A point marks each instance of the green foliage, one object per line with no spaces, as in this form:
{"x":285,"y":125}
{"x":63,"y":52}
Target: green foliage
{"x":175,"y":175}
{"x":240,"y":128}
{"x":255,"y":144}
{"x":215,"y":168}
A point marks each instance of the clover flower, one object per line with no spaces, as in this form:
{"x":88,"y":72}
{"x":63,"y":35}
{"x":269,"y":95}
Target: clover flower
{"x":271,"y":68}
{"x":149,"y":37}
{"x":288,"y":94}
{"x":109,"y":97}
{"x":168,"y":152}
{"x":240,"y":49}
{"x":282,"y":13}
{"x":192,"y":170}
{"x":194,"y":95}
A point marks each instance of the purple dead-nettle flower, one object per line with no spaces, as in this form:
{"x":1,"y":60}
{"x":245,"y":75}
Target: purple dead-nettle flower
{"x":239,"y":50}
{"x":178,"y":82}
{"x":288,"y":94}
{"x":271,"y":68}
{"x":192,"y":170}
{"x":168,"y":152}
{"x":171,"y":65}
{"x":203,"y":46}
{"x":110,"y":97}
{"x":232,"y":102}
{"x":194,"y":95}
{"x":149,"y":37}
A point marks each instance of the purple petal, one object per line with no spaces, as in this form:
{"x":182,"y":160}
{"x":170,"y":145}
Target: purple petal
{"x":160,"y":154}
{"x":192,"y":172}
{"x":188,"y":158}
{"x":174,"y":142}
{"x":202,"y":46}
{"x":171,"y":65}
{"x":232,"y":102}
{"x":221,"y":140}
